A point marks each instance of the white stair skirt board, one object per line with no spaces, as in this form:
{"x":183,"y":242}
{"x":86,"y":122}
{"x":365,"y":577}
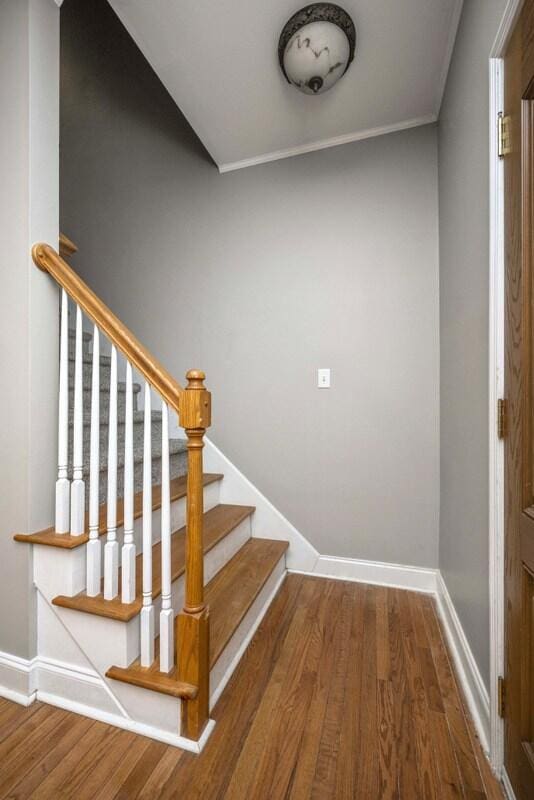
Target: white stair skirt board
{"x":379,"y":573}
{"x":231,"y":656}
{"x":268,"y":522}
{"x":474,"y":689}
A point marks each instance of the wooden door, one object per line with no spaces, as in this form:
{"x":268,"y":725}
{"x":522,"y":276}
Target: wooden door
{"x":519,"y":391}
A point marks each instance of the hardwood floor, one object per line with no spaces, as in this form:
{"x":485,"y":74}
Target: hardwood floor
{"x":346,"y":691}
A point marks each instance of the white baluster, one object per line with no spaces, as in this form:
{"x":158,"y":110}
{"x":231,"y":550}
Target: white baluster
{"x":94,"y":551}
{"x":166,"y":617}
{"x":63,"y":483}
{"x":147,"y":612}
{"x":128,"y":548}
{"x":111,"y":550}
{"x":77,"y":489}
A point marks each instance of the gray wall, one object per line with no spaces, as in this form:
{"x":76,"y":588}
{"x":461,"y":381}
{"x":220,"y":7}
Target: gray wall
{"x":29,"y":134}
{"x":464,"y":292}
{"x":259,"y":277}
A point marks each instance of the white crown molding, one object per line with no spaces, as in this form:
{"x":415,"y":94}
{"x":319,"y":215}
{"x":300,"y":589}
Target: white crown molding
{"x":474,"y":689}
{"x":323,"y":144}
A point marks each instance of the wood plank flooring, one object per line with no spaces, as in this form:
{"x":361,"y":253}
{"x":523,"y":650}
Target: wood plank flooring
{"x":346,"y":691}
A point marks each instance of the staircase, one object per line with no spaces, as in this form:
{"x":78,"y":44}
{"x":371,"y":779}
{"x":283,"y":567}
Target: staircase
{"x":150,"y":584}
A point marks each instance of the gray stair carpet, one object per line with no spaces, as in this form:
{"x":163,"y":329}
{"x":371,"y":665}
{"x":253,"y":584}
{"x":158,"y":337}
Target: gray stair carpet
{"x":177,"y":447}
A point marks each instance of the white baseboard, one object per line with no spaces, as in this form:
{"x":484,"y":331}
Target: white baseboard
{"x":17,"y":697}
{"x":400,"y":576}
{"x":23,"y":680}
{"x":430,"y":581}
{"x":16,"y":680}
{"x":473,"y":686}
{"x":75,"y":681}
{"x":128,"y":724}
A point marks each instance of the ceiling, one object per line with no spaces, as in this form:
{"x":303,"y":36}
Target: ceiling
{"x":219,"y":62}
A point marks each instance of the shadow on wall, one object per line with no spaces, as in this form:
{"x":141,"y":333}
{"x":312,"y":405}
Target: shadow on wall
{"x":142,"y":98}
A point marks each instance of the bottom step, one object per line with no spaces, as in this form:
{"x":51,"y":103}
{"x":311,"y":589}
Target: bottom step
{"x":229,"y":596}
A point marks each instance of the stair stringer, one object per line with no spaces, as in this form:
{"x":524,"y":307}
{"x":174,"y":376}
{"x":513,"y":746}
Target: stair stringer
{"x":267,"y":522}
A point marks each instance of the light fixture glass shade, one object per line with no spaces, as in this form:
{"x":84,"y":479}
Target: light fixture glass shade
{"x":316,"y":57}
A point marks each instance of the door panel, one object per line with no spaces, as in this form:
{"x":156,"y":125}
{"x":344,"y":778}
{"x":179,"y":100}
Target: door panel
{"x":519,"y":388}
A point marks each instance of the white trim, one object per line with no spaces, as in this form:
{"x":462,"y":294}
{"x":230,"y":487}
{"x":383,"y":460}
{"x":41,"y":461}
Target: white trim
{"x":379,"y":573}
{"x":30,"y":670}
{"x":16,"y":682}
{"x":322,"y":144}
{"x":508,"y":20}
{"x":451,"y":39}
{"x":246,"y":641}
{"x":128,"y":724}
{"x":508,"y":790}
{"x":16,"y":662}
{"x":17,"y":697}
{"x":471,"y":681}
{"x":496,"y":390}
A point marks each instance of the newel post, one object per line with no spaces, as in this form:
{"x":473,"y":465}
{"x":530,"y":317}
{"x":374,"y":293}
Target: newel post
{"x":193,"y":622}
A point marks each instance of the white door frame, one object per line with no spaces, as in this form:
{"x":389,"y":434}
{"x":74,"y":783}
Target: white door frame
{"x":496,"y":385}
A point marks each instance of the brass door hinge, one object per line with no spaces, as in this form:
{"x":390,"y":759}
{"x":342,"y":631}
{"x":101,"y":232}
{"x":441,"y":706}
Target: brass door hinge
{"x":502,"y":418}
{"x":501,"y":696}
{"x":503,"y":135}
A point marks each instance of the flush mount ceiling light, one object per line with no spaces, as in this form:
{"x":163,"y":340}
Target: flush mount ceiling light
{"x":316,"y":47}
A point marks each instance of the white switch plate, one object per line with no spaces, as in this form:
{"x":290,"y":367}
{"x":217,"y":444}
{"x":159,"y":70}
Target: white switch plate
{"x":323,"y":379}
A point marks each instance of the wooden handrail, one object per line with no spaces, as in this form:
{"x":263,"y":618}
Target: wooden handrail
{"x":47,"y":259}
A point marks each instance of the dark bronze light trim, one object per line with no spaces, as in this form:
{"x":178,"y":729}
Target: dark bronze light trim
{"x":317,"y":12}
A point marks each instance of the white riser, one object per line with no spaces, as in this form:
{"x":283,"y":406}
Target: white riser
{"x":178,"y":510}
{"x":111,"y":642}
{"x":158,"y":713}
{"x":151,"y":708}
{"x":85,"y":643}
{"x":58,"y":571}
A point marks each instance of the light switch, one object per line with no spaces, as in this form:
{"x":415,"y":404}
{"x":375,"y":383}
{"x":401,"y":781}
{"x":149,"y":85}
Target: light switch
{"x":323,"y":378}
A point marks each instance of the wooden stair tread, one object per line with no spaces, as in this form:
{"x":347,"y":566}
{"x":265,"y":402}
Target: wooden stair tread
{"x":233,"y":590}
{"x":229,"y":596}
{"x":218,"y":523}
{"x":65,"y":540}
